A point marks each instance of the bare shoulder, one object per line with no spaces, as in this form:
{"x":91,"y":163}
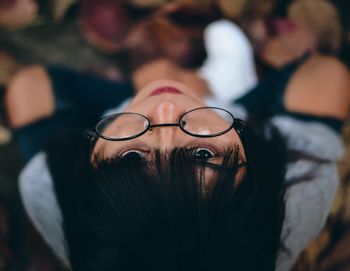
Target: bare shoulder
{"x":320,"y":86}
{"x":333,"y":78}
{"x":330,"y":66}
{"x":29,"y":73}
{"x":29,"y":96}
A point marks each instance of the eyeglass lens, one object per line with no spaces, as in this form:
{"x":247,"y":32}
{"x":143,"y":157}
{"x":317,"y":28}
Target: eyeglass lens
{"x":206,"y":121}
{"x":122,"y":125}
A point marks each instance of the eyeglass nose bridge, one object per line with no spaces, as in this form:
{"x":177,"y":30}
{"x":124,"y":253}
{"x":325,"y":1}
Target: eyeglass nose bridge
{"x":150,"y":127}
{"x":163,"y":125}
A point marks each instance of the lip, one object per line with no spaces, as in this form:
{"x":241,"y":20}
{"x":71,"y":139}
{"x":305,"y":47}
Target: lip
{"x":163,"y":90}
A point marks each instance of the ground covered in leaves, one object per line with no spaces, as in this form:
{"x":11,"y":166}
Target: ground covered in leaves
{"x":57,"y":38}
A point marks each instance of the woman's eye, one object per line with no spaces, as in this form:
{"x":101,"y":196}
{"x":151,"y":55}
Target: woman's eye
{"x":133,"y":154}
{"x":203,"y":154}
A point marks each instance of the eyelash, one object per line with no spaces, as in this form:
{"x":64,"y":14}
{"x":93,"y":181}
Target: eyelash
{"x":216,"y":152}
{"x":207,"y":146}
{"x":141,"y":153}
{"x":137,"y":148}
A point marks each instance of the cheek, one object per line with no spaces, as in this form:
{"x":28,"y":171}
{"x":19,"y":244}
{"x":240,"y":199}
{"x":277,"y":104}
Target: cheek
{"x":232,"y":138}
{"x":242,"y":171}
{"x":211,"y":177}
{"x":98,"y":150}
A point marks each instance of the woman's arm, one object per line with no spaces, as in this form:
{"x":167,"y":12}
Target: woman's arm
{"x":44,"y":102}
{"x":321,"y":86}
{"x":29,"y":96}
{"x":39,"y":92}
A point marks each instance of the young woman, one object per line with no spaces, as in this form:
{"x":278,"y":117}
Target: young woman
{"x":171,"y":180}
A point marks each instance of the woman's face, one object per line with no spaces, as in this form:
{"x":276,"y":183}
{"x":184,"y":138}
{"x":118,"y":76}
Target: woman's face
{"x":164,"y":101}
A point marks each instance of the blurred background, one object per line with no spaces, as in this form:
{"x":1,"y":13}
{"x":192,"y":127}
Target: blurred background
{"x":94,"y":35}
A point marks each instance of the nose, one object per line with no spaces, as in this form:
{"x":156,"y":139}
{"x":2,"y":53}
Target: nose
{"x":164,"y":113}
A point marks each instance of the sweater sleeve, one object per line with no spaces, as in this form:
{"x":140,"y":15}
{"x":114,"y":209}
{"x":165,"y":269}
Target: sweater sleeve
{"x":311,"y":184}
{"x":40,"y":203}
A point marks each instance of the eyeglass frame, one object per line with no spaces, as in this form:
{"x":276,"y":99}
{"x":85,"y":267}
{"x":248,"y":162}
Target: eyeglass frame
{"x":92,"y":134}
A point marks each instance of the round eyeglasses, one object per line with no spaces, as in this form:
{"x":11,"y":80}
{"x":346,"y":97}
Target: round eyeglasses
{"x":201,"y":122}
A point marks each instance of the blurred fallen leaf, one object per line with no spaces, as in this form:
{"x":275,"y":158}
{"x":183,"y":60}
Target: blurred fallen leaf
{"x":339,"y":256}
{"x":104,"y":23}
{"x":147,"y":3}
{"x":60,"y":8}
{"x":322,"y":18}
{"x":189,"y":13}
{"x":8,"y":67}
{"x":246,"y":9}
{"x":231,"y":8}
{"x":16,"y":14}
{"x":5,"y":135}
{"x":158,"y":37}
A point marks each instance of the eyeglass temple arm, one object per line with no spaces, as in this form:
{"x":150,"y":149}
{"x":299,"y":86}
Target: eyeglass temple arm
{"x":239,"y":125}
{"x":90,"y":135}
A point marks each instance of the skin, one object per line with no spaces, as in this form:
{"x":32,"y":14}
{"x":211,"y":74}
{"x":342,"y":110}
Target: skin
{"x":321,"y":87}
{"x":29,"y":96}
{"x":167,"y":108}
